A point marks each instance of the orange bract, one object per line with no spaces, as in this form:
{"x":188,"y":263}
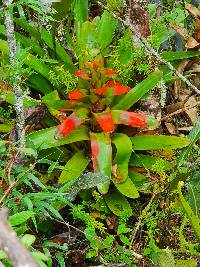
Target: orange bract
{"x":77,"y":94}
{"x":82,"y":74}
{"x":106,"y":123}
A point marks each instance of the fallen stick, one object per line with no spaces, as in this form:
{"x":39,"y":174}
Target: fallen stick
{"x":9,"y":243}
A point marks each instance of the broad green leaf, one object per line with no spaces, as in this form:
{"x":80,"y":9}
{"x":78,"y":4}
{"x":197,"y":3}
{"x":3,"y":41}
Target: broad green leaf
{"x":37,"y":65}
{"x":39,"y":83}
{"x":106,"y":30}
{"x":124,"y":149}
{"x":59,"y":50}
{"x":138,"y":178}
{"x":194,"y":220}
{"x":61,"y":7}
{"x":23,"y":23}
{"x":147,"y":162}
{"x":101,"y":156}
{"x":170,"y":55}
{"x":51,"y":96}
{"x":118,"y":204}
{"x":20,"y":217}
{"x":87,"y":40}
{"x":193,"y":188}
{"x":27,"y":240}
{"x":139,"y":91}
{"x":193,"y":136}
{"x":74,"y":167}
{"x":127,"y":188}
{"x":80,"y":8}
{"x":45,"y":138}
{"x":29,"y":43}
{"x":156,"y":142}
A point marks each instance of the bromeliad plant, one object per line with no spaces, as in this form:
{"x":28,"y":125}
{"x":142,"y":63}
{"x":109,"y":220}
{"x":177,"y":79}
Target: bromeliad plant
{"x":92,"y":105}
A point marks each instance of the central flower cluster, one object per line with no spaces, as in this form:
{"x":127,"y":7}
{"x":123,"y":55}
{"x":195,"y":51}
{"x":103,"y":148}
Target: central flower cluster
{"x":96,"y":87}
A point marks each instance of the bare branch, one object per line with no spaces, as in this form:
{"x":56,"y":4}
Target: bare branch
{"x":20,"y":121}
{"x":150,"y":49}
{"x":10,"y":244}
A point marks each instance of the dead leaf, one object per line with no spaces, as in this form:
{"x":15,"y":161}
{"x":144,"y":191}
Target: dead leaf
{"x":193,"y":10}
{"x":112,"y":222}
{"x":190,"y":41}
{"x":171,"y":128}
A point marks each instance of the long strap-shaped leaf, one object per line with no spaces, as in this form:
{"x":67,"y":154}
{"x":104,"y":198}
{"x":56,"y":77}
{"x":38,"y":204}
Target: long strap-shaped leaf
{"x":153,"y":142}
{"x":45,"y":138}
{"x":120,"y":169}
{"x":70,"y":171}
{"x":194,"y":220}
{"x":139,"y":91}
{"x":124,"y":149}
{"x":101,"y":156}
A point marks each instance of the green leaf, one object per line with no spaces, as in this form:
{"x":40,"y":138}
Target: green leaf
{"x":193,"y":136}
{"x":102,"y":162}
{"x":81,"y":15}
{"x":106,"y":30}
{"x":51,"y":209}
{"x":20,"y":217}
{"x":153,"y":142}
{"x":127,"y":188}
{"x":165,"y":258}
{"x":170,"y":55}
{"x":124,"y":149}
{"x":139,"y":91}
{"x":27,"y":240}
{"x":37,"y":65}
{"x":53,"y":96}
{"x":60,"y":51}
{"x":125,"y":240}
{"x":194,"y":192}
{"x":44,"y":139}
{"x":147,"y":162}
{"x":39,"y":83}
{"x":138,"y":178}
{"x":23,"y":23}
{"x":194,"y":220}
{"x":118,"y":204}
{"x":74,"y":167}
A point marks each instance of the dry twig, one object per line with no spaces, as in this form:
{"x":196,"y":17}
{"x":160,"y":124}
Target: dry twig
{"x":9,"y":243}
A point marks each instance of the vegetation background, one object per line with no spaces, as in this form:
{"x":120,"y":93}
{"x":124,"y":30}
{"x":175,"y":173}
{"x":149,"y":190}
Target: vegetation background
{"x":99,"y":133}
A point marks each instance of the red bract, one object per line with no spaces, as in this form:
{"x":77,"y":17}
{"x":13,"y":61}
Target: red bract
{"x":112,"y":83}
{"x":93,"y":64}
{"x":82,"y":74}
{"x":77,"y":94}
{"x":69,"y":124}
{"x":120,"y":89}
{"x":133,"y":119}
{"x":101,"y":91}
{"x":109,"y":73}
{"x":106,"y":122}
